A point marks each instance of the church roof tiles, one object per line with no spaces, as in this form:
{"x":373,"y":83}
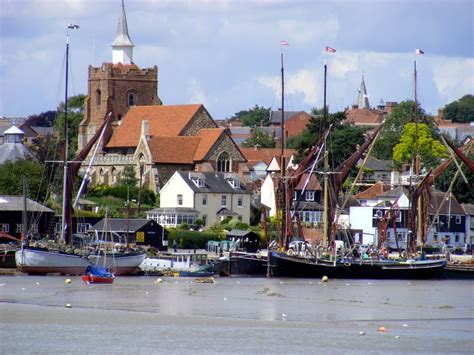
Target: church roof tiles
{"x":164,"y":121}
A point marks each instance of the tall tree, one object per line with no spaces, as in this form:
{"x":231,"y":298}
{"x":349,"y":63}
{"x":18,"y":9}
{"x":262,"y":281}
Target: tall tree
{"x":429,"y":149}
{"x":461,"y":110}
{"x":128,"y":176}
{"x":44,"y":119}
{"x":402,"y":114}
{"x":75,"y":113}
{"x":260,"y":138}
{"x":254,"y":117}
{"x":11,"y":178}
{"x":342,"y":141}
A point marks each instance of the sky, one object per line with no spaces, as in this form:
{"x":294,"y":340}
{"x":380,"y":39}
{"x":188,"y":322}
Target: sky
{"x":225,"y":54}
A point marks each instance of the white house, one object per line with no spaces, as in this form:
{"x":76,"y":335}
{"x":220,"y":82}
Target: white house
{"x":209,"y":196}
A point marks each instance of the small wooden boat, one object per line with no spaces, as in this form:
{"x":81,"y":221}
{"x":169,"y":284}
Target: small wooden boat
{"x":97,"y":275}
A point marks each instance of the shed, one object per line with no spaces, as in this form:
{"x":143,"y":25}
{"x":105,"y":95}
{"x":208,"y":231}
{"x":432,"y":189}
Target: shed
{"x":248,"y":240}
{"x":139,"y":231}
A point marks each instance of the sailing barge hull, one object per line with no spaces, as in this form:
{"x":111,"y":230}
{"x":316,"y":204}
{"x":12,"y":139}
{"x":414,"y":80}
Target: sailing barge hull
{"x":292,"y":266}
{"x":33,"y":261}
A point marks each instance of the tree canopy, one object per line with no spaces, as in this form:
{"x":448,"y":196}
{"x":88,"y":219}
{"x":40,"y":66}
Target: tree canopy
{"x":429,"y":149}
{"x":254,"y":117}
{"x":260,"y":138}
{"x":461,"y":111}
{"x":11,"y":179}
{"x":75,"y":112}
{"x":342,"y":142}
{"x":401,"y":114}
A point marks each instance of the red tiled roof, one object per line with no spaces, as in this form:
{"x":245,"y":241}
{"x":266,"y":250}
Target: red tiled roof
{"x":208,"y":137}
{"x":176,"y":150}
{"x":313,"y":183}
{"x":372,"y":192}
{"x":266,"y":155}
{"x":364,"y":117}
{"x":164,"y":121}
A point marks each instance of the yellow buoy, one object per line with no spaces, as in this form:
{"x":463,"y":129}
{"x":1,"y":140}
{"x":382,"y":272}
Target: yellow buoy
{"x":325,"y":279}
{"x":68,"y":281}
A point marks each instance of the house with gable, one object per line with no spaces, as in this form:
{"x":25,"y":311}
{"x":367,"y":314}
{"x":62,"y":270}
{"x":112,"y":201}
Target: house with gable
{"x":209,"y":196}
{"x":445,"y":223}
{"x":295,"y":123}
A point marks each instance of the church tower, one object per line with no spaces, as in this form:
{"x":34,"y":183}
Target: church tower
{"x":117,"y":86}
{"x":363,"y":98}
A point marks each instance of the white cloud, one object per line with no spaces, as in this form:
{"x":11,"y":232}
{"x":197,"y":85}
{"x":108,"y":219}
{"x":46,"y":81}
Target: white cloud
{"x":196,"y":94}
{"x":454,"y":77}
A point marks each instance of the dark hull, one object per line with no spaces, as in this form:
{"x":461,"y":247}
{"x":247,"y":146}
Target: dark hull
{"x":461,"y":272}
{"x":243,"y":264}
{"x":293,"y":266}
{"x":7,"y":259}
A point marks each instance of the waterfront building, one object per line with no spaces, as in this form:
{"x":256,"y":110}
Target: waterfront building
{"x":209,"y":196}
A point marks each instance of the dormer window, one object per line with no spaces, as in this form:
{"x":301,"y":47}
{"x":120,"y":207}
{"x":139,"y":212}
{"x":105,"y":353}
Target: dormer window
{"x":309,"y":195}
{"x":233,"y":180}
{"x":198,"y":179}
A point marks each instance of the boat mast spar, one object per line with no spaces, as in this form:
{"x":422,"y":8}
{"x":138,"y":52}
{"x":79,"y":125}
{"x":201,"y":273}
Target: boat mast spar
{"x":65,"y":223}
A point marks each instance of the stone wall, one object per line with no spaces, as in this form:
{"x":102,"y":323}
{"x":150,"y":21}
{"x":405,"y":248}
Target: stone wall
{"x":108,"y":88}
{"x":202,"y":119}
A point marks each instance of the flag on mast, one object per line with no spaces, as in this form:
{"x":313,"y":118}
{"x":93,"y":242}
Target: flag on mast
{"x":330,"y":50}
{"x":419,"y":52}
{"x":72,"y":26}
{"x":284,"y":43}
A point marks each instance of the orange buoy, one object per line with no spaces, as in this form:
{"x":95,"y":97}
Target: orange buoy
{"x":382,"y":329}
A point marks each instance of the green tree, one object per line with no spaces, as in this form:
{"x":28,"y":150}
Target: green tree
{"x":128,"y":176}
{"x":402,"y":114}
{"x":463,"y":191}
{"x":260,"y":138}
{"x":11,"y":179}
{"x":461,"y":110}
{"x":254,"y":117}
{"x":342,"y":141}
{"x":429,"y":149}
{"x":75,"y":113}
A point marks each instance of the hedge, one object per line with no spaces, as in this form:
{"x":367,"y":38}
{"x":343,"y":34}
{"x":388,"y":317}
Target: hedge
{"x":192,"y":239}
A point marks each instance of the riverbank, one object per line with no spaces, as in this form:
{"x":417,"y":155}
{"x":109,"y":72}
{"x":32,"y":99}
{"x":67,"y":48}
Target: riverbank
{"x":235,"y":315}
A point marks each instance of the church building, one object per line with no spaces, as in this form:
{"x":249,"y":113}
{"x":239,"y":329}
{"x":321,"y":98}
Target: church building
{"x":155,"y":139}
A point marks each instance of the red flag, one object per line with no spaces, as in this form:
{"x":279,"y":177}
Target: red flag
{"x":419,"y":52}
{"x":284,"y":43}
{"x":330,"y":50}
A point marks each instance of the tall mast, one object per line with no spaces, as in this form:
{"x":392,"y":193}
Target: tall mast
{"x":66,"y":143}
{"x":282,"y":158}
{"x":65,"y":228}
{"x":326,"y":168}
{"x":419,"y":234}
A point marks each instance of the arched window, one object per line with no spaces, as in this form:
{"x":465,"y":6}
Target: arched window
{"x":114,"y":176}
{"x":132,"y":97}
{"x":224,"y":163}
{"x":98,"y":98}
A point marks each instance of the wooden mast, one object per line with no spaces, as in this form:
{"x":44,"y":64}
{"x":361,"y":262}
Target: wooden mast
{"x":326,"y":168}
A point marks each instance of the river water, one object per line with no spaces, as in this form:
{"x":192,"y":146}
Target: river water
{"x":235,"y":315}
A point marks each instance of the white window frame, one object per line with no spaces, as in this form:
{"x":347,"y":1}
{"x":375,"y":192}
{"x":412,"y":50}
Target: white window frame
{"x":295,"y":195}
{"x":223,"y":200}
{"x":458,"y":219}
{"x":4,"y":227}
{"x":18,"y":228}
{"x":204,"y":200}
{"x":240,"y":201}
{"x":309,"y":195}
{"x":179,"y":199}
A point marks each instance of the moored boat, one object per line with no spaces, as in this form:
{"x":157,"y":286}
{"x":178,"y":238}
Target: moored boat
{"x":95,"y":274}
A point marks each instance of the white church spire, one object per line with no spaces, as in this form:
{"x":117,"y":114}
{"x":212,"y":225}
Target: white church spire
{"x":122,"y":46}
{"x":363,"y":98}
